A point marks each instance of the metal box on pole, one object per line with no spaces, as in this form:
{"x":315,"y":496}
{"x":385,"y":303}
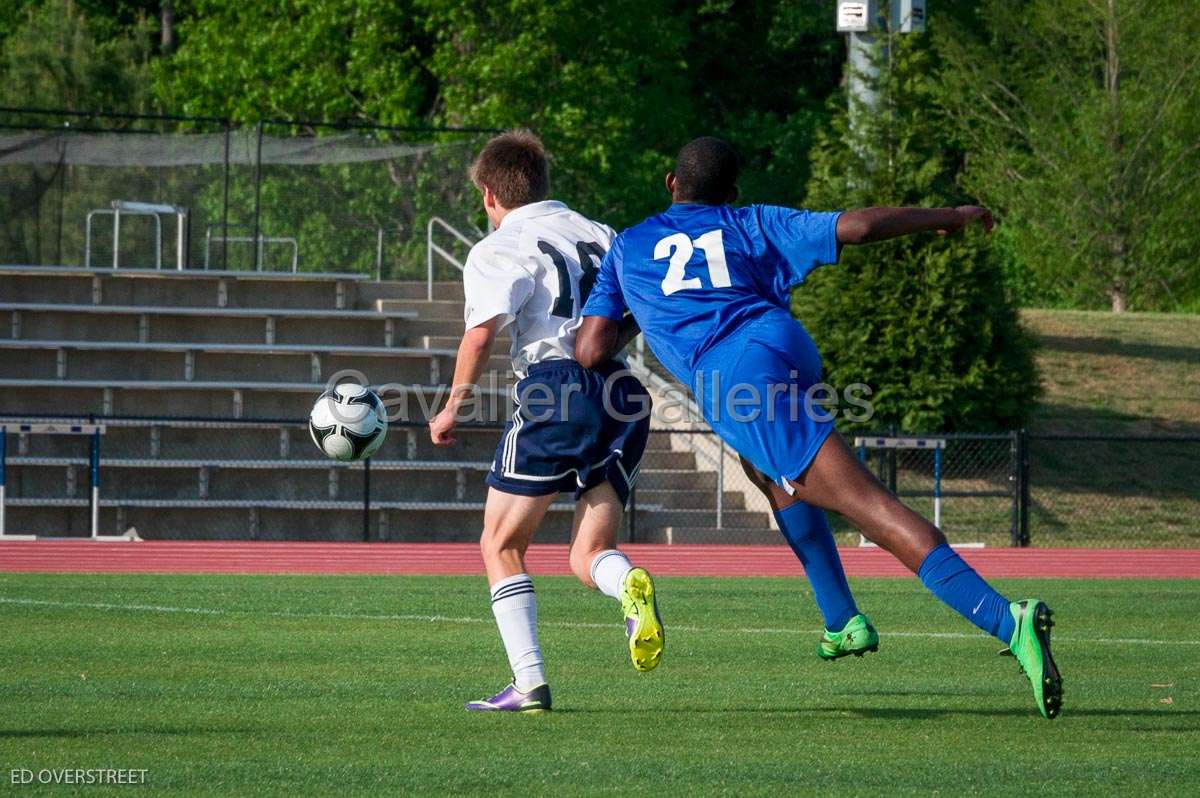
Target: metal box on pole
{"x":855,"y":17}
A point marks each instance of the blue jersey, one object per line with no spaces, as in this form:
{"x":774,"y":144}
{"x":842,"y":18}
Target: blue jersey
{"x":697,"y":275}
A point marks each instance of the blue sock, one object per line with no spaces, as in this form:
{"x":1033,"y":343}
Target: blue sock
{"x":807,"y":531}
{"x":953,"y":581}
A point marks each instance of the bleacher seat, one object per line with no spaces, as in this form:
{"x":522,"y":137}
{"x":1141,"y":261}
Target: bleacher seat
{"x":233,"y":345}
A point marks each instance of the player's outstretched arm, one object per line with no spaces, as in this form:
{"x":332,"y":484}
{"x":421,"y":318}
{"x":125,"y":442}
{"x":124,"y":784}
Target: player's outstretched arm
{"x":600,"y":339}
{"x":879,"y":224}
{"x":473,"y":354}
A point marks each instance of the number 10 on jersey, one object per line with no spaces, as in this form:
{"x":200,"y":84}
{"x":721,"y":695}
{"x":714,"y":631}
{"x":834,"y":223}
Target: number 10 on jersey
{"x":564,"y":304}
{"x":679,"y":249}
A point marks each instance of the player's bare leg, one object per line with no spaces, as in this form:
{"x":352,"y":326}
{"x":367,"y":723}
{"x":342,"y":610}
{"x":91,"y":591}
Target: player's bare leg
{"x":838,"y":481}
{"x":509,"y":522}
{"x":807,"y":531}
{"x":598,"y":515}
{"x":597,"y":563}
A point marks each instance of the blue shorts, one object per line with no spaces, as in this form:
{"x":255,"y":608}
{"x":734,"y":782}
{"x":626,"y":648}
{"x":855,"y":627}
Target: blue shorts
{"x":752,"y":391}
{"x":564,"y":436}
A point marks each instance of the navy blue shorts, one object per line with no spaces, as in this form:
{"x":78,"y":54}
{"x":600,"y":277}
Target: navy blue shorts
{"x":565,"y":435}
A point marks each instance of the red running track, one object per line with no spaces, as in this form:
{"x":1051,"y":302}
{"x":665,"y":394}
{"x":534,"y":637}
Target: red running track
{"x":85,"y":556}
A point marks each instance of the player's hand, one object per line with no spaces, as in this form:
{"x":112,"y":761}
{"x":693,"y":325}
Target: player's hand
{"x":441,"y":427}
{"x":968,"y":214}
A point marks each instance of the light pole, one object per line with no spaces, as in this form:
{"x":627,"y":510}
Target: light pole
{"x":860,"y":21}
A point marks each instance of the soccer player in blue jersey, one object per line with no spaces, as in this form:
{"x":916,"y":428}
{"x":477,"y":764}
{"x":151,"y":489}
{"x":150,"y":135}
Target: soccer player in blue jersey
{"x":709,"y":285}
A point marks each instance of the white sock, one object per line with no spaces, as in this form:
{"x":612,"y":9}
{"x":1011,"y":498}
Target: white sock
{"x":608,"y":571}
{"x":515,"y":607}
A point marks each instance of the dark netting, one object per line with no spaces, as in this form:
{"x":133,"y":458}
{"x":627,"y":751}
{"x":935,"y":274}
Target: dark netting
{"x":274,"y":197}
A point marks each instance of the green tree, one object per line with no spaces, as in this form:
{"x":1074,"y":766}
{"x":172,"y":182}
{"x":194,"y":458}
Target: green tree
{"x":925,"y":322}
{"x":1083,"y":119}
{"x":356,"y":60}
{"x":56,"y":58}
{"x":761,"y":73}
{"x":614,"y":88}
{"x":603,"y":83}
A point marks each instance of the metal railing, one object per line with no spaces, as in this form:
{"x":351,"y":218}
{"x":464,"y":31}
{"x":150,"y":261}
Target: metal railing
{"x":641,"y":368}
{"x":209,"y":238}
{"x":156,"y":211}
{"x":433,"y":248}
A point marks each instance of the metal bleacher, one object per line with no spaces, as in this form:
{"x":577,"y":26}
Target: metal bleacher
{"x":203,"y":380}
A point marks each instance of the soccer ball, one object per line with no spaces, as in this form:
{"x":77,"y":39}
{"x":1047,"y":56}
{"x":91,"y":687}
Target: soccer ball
{"x":347,"y":422}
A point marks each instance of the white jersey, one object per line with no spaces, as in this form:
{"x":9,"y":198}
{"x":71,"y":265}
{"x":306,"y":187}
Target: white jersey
{"x":534,"y":272}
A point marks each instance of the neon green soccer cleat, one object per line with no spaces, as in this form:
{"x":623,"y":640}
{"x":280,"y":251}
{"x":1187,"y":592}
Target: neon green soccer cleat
{"x":1030,"y":646}
{"x":857,"y":637}
{"x":643,"y":626}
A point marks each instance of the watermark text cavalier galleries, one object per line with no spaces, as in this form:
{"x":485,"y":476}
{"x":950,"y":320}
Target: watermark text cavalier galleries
{"x":741,"y":402}
{"x":78,"y":776}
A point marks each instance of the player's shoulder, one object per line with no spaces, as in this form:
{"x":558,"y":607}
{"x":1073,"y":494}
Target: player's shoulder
{"x":771,"y":220}
{"x":573,"y":218}
{"x":758,"y":212}
{"x":498,"y":249}
{"x":650,"y":227}
{"x":490,"y":244}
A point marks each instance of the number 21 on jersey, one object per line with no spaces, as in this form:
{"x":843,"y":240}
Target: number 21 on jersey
{"x":678,"y":249}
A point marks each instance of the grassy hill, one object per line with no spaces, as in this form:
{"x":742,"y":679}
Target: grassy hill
{"x":1136,"y":373}
{"x":1128,"y":374}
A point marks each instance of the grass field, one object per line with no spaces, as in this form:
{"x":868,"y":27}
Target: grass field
{"x":257,"y":685}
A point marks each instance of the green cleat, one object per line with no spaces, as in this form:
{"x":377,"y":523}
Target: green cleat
{"x":1030,"y":646}
{"x":857,"y":637}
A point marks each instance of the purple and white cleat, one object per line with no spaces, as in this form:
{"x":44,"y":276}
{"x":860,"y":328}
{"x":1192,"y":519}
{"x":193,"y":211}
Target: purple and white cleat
{"x":510,"y":699}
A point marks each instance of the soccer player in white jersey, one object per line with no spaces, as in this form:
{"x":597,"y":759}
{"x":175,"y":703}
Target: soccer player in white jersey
{"x":574,"y":429}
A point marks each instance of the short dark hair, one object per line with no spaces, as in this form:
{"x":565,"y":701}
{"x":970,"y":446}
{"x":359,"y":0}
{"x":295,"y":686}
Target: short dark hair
{"x":514,"y":166}
{"x":706,"y":171}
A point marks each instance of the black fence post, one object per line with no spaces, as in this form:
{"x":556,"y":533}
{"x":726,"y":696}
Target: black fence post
{"x":1014,"y":480}
{"x":892,"y":465}
{"x":187,"y":242}
{"x":366,"y":521}
{"x":62,"y":182}
{"x":633,"y":514}
{"x":1023,"y":486}
{"x":225,"y":204}
{"x":94,"y":474}
{"x":258,"y":200}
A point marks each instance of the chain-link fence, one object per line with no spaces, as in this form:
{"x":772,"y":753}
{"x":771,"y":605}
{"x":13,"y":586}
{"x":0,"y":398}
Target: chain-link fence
{"x":264,"y":479}
{"x":279,"y":196}
{"x":967,"y":484}
{"x":1113,"y":490}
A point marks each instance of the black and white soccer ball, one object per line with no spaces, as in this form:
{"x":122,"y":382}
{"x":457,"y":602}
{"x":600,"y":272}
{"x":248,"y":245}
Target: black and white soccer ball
{"x":348,"y":422}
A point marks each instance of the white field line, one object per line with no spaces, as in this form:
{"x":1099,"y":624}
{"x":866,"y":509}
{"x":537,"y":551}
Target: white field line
{"x":31,"y":602}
